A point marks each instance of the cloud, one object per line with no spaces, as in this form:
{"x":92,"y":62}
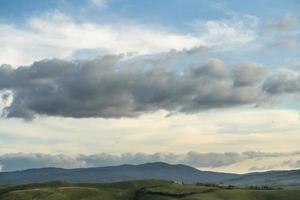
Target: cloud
{"x":99,"y":3}
{"x":115,"y":86}
{"x":283,"y":24}
{"x":286,"y":164}
{"x":99,"y":88}
{"x":262,"y":168}
{"x":248,"y":74}
{"x":56,"y":35}
{"x":21,"y":161}
{"x":292,"y":163}
{"x":287,"y":43}
{"x":228,"y":33}
{"x":283,"y":82}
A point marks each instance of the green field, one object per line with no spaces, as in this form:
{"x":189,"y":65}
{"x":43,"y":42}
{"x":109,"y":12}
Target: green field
{"x":135,"y":190}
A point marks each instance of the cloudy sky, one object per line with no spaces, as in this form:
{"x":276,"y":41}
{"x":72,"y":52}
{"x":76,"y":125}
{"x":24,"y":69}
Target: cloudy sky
{"x":213,"y":84}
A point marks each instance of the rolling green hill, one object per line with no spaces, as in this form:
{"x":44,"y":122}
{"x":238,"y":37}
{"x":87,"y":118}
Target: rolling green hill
{"x":138,"y":190}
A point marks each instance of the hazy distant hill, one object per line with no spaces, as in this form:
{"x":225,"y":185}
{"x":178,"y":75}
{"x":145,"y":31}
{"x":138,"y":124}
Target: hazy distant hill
{"x":156,"y":170}
{"x":146,"y":171}
{"x":270,"y":178}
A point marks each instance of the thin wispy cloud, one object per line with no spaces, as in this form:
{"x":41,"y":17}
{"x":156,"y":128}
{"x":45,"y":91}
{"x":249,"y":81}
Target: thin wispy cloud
{"x":55,"y":35}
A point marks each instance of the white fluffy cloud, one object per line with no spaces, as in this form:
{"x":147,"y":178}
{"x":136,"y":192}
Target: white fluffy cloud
{"x":228,"y":33}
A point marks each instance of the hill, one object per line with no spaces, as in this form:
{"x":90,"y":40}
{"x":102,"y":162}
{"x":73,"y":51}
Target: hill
{"x":270,"y":178}
{"x":157,"y":170}
{"x":138,"y":190}
{"x":146,"y":171}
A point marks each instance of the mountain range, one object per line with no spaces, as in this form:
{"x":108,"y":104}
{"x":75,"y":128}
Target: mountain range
{"x":157,"y":170}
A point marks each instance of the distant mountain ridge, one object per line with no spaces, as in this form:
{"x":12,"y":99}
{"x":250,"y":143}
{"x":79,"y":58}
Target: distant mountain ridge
{"x":280,"y":178}
{"x":157,"y":170}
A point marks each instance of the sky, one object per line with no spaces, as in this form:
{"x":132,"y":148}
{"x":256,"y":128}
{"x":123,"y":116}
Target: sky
{"x":213,"y":84}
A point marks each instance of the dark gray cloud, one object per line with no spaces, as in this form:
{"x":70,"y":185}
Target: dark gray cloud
{"x":20,"y":161}
{"x":248,"y":74}
{"x":5,"y":76}
{"x":101,"y":88}
{"x":282,"y":82}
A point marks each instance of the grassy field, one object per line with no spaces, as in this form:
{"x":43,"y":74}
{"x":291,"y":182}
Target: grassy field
{"x":138,"y":190}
